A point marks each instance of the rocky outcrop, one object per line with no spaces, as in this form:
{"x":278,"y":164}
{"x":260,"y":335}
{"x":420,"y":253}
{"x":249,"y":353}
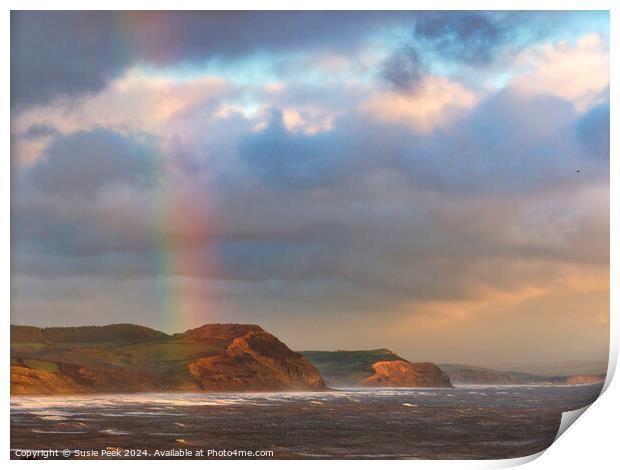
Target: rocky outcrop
{"x":256,"y":361}
{"x":71,"y":378}
{"x":406,"y":374}
{"x":375,"y":368}
{"x":26,"y":381}
{"x":219,"y":357}
{"x":584,"y":379}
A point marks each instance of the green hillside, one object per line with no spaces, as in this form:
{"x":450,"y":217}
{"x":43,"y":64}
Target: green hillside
{"x":132,"y":358}
{"x":118,"y":333}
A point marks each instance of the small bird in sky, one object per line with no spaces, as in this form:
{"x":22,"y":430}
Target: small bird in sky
{"x":578,"y":171}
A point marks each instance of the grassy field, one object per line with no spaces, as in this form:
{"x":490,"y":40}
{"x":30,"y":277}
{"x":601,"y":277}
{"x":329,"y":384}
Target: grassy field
{"x":137,"y":350}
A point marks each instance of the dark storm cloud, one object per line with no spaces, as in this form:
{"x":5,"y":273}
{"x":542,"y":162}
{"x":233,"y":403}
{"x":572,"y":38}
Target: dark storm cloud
{"x":82,"y":163}
{"x":477,"y":39}
{"x":466,"y":36}
{"x":56,"y":53}
{"x":404,"y":69}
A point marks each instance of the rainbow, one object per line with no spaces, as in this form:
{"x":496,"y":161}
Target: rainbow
{"x":180,"y":220}
{"x":180,"y":239}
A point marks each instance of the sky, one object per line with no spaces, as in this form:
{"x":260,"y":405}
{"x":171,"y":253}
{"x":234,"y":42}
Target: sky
{"x":436,"y":183}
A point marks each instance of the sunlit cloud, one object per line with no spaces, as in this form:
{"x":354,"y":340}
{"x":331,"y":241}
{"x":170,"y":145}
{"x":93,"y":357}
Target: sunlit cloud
{"x":435,"y":102}
{"x":579,"y":73}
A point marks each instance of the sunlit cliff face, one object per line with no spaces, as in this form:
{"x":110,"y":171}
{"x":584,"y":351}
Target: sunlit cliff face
{"x":435,"y":183}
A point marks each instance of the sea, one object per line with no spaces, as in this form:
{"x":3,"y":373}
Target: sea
{"x":473,"y":422}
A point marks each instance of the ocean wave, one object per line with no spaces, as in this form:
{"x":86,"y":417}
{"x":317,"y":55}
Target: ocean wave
{"x":113,"y":432}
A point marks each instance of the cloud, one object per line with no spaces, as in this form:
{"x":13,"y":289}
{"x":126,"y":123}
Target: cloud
{"x":134,"y":102}
{"x":291,"y":160}
{"x":70,"y":53}
{"x":377,"y":189}
{"x":466,"y":36}
{"x":56,"y":53}
{"x":268,"y":184}
{"x":290,"y":206}
{"x":47,"y":62}
{"x":593,"y":130}
{"x":39,"y":131}
{"x":436,"y":102}
{"x":403,"y":70}
{"x":82,"y":163}
{"x":578,"y":73}
{"x":509,"y":143}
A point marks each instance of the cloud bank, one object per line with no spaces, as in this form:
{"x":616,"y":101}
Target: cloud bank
{"x":254,"y":167}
